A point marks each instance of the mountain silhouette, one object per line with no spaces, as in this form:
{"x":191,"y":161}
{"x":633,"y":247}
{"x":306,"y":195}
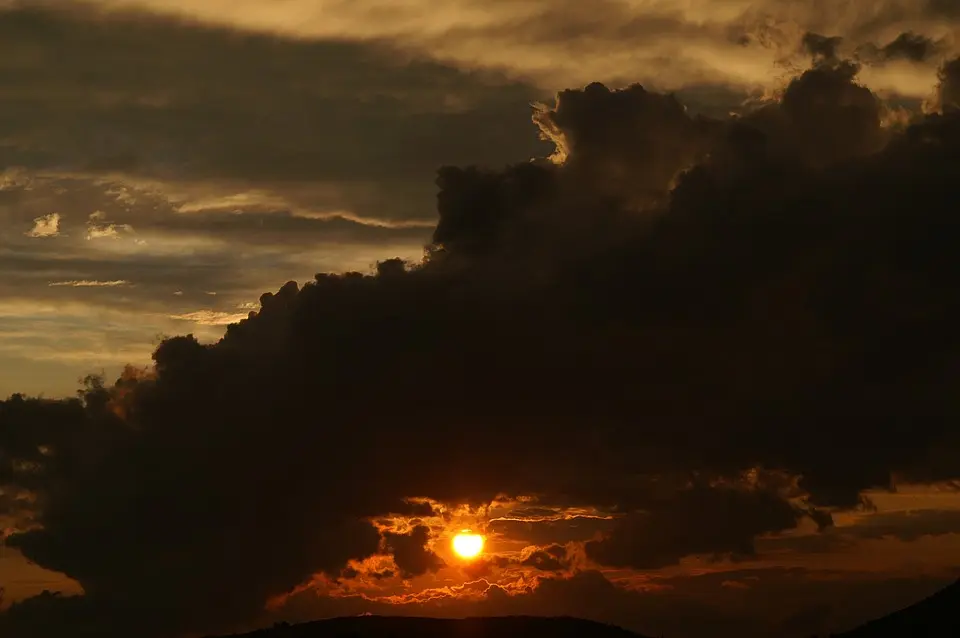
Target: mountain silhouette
{"x":935,"y":617}
{"x":401,"y":627}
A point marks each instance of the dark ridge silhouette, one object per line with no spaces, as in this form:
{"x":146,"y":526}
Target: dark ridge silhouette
{"x":398,"y":627}
{"x":935,"y":617}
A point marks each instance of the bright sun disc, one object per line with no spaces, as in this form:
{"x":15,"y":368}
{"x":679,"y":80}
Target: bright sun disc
{"x":468,"y":545}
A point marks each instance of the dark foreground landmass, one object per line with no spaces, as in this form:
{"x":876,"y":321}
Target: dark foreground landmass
{"x":397,"y":627}
{"x":935,"y":617}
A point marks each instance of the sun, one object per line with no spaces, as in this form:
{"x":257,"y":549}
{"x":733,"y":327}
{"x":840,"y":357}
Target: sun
{"x":466,"y":544}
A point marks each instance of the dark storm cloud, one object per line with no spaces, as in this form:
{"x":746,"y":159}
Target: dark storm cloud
{"x":604,"y":340}
{"x":714,"y":100}
{"x":948,"y":91}
{"x":628,"y":144}
{"x":350,"y":573}
{"x":485,"y":566}
{"x":908,"y":526}
{"x":942,"y":8}
{"x":905,"y":526}
{"x":830,"y":118}
{"x":548,"y":559}
{"x":910,"y":46}
{"x":689,"y":523}
{"x":821,"y":47}
{"x":410,"y":552}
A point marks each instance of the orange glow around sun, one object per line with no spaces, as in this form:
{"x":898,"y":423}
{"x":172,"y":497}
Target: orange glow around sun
{"x":467,"y":544}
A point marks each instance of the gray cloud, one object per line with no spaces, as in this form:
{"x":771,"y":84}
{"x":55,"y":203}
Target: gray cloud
{"x":176,"y":101}
{"x":907,"y":526}
{"x":544,"y":532}
{"x":564,"y":43}
{"x":683,"y":526}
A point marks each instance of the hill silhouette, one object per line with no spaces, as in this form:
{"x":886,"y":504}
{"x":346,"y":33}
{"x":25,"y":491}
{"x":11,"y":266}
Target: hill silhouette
{"x":933,"y":617}
{"x":402,"y":627}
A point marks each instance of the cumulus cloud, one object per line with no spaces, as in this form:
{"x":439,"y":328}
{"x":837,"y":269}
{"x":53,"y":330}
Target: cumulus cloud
{"x":707,"y":329}
{"x":630,"y":143}
{"x":99,"y":228}
{"x":410,"y":552}
{"x":821,"y":47}
{"x":46,"y":226}
{"x":948,"y":90}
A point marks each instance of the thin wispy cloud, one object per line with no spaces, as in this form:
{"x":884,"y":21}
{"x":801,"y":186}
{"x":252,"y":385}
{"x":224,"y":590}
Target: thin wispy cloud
{"x":210,"y":317}
{"x":261,"y":201}
{"x":90,"y":283}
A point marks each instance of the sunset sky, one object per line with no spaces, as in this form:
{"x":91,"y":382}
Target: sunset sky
{"x":658,"y":297}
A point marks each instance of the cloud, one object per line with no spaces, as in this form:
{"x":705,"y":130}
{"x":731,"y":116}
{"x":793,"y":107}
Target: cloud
{"x":907,"y":50}
{"x":562,"y":43}
{"x":211,"y":317}
{"x":708,"y":330}
{"x":682,"y":526}
{"x":821,"y":47}
{"x":410,"y":552}
{"x":97,"y":228}
{"x":908,"y":526}
{"x":910,"y":46}
{"x":139,"y":114}
{"x":87,"y":283}
{"x":544,"y":532}
{"x":948,"y":90}
{"x":833,"y":117}
{"x":46,"y":226}
{"x":330,"y":178}
{"x":548,"y":559}
{"x":637,"y":140}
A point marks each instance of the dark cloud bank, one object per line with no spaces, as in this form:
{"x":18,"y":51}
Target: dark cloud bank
{"x":682,"y":301}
